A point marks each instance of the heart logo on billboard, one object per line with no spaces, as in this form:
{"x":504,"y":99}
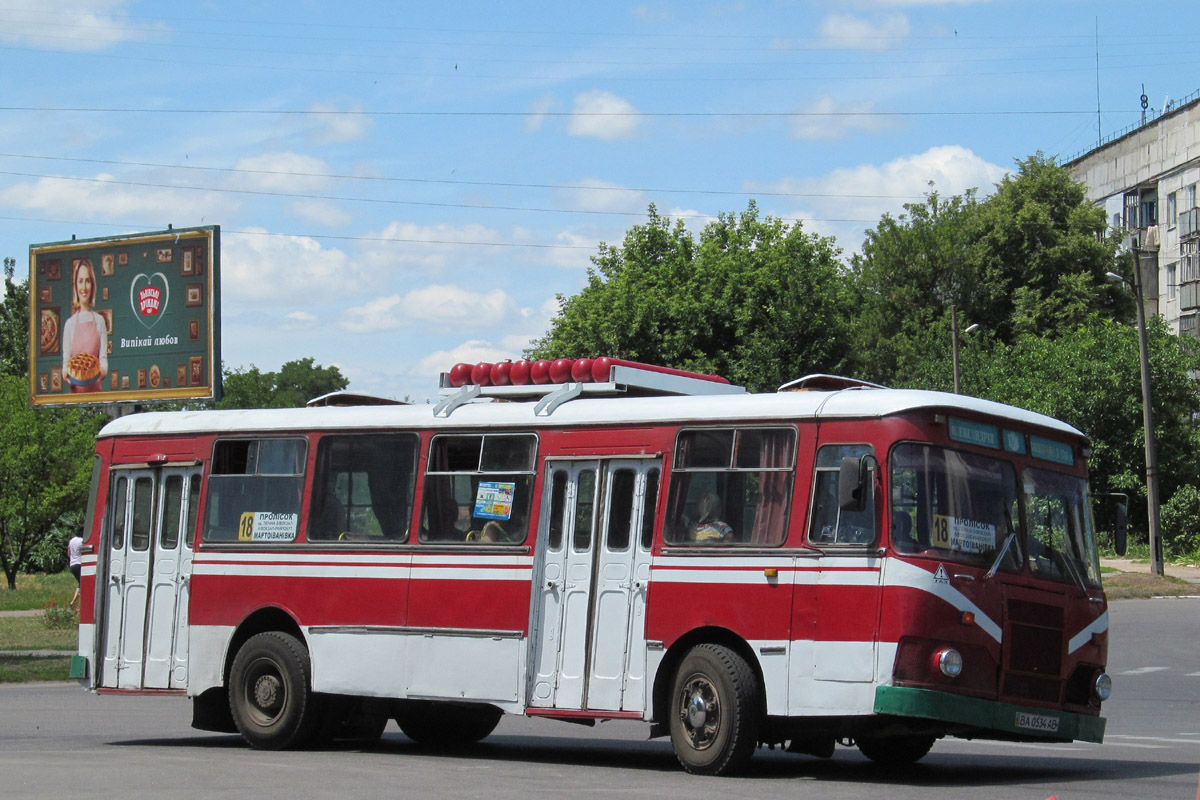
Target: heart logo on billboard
{"x":148,"y":296}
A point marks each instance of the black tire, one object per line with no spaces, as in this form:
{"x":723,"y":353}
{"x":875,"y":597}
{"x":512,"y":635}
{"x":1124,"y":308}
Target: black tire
{"x":715,"y":711}
{"x":448,"y":725}
{"x":896,"y":751}
{"x":270,"y":692}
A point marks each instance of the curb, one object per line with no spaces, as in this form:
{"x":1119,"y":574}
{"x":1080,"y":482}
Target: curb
{"x":36,"y":653}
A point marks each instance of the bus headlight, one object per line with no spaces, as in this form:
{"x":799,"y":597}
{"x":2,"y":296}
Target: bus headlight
{"x":1102,"y":688}
{"x":949,"y":661}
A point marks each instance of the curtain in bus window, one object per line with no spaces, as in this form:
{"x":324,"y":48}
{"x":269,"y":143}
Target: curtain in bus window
{"x":731,"y":487}
{"x":364,"y":488}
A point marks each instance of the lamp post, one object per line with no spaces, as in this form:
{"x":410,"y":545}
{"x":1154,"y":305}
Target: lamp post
{"x":1156,"y":553}
{"x":954,"y":342}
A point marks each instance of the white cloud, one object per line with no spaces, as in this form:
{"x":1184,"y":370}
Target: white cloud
{"x":848,"y":201}
{"x":334,"y":125}
{"x":591,"y":194}
{"x":855,"y":33}
{"x":321,"y":213}
{"x":436,"y":305}
{"x":300,"y":320}
{"x":257,"y":267}
{"x":469,"y":352}
{"x":103,"y":196}
{"x":282,"y":172}
{"x":538,"y":110}
{"x":429,"y":248}
{"x":76,"y":25}
{"x":827,"y":120}
{"x":602,"y":115}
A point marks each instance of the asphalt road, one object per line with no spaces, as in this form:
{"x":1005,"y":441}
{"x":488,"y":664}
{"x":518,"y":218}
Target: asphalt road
{"x":57,"y":741}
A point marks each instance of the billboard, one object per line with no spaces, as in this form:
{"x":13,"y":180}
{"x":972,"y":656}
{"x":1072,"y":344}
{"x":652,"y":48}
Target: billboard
{"x":129,"y":319}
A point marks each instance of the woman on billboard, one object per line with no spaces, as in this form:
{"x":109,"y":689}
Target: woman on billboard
{"x":85,"y":336}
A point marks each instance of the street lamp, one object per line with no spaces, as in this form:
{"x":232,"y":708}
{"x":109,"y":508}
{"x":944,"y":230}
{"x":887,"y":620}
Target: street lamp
{"x":954,"y":342}
{"x":1156,"y":553}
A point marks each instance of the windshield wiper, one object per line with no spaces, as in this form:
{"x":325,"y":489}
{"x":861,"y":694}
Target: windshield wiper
{"x":1008,"y":540}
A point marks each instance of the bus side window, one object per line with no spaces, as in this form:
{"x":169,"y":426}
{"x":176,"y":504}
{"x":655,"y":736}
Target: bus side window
{"x":363,"y":489}
{"x":828,"y":523}
{"x":731,"y":486}
{"x":478,"y":488}
{"x":254,"y":490}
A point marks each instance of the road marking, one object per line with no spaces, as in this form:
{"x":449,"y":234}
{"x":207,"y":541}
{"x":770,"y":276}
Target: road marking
{"x":1151,"y":738}
{"x":1142,"y":670}
{"x":1138,"y":746}
{"x":1193,"y":675}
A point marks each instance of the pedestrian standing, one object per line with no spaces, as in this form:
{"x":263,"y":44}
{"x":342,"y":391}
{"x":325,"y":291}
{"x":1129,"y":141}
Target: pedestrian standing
{"x":75,"y":564}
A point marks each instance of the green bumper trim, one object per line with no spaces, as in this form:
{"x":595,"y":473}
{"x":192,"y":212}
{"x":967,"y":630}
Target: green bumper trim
{"x":79,"y":666}
{"x":988,"y":714}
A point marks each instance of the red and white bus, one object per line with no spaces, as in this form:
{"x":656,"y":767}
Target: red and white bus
{"x":833,"y":562}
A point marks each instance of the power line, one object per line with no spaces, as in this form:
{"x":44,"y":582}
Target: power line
{"x":447,"y":182}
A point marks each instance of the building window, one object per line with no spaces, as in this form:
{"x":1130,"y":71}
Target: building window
{"x":1172,"y":283}
{"x":1190,"y":194}
{"x":1172,"y":210}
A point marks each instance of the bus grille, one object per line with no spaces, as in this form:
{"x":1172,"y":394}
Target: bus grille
{"x":1033,"y":643}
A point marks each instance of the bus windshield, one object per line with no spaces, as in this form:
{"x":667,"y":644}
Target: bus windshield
{"x":956,"y":506}
{"x":1062,"y":542}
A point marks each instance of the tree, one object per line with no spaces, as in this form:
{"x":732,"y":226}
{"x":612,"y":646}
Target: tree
{"x":755,"y":300}
{"x":45,"y":461}
{"x":14,"y":324}
{"x":295,"y":384}
{"x":1030,"y":259}
{"x":1090,"y":377}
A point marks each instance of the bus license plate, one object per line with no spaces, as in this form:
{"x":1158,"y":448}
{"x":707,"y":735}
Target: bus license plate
{"x":1037,"y":722}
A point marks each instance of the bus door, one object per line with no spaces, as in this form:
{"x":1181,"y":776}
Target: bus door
{"x":593,"y":565}
{"x":149,"y":565}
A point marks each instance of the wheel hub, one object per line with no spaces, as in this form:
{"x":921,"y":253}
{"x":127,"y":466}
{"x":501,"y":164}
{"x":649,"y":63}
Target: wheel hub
{"x":267,"y":692}
{"x":700,"y":712}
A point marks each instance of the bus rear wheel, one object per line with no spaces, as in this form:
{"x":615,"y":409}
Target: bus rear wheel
{"x":896,"y":751}
{"x":270,"y":694}
{"x":446,"y":724}
{"x":715,"y":711}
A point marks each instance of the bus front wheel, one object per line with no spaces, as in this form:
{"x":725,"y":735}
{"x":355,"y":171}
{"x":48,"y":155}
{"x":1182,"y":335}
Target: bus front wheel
{"x":270,"y":694}
{"x":715,"y":711}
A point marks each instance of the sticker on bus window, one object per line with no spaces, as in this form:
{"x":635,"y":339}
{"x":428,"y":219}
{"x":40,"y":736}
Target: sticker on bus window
{"x":966,"y":535}
{"x":494,"y":500}
{"x":268,"y":526}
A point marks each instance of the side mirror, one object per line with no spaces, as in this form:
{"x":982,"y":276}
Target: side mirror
{"x":852,"y":484}
{"x":1120,"y":528}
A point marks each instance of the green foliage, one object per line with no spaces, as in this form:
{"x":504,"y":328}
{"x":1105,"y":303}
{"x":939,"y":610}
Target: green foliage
{"x":58,"y":618}
{"x":295,"y":384}
{"x":1180,"y":523}
{"x":754,"y":300}
{"x":14,"y":324}
{"x":1029,"y":260}
{"x":45,"y":461}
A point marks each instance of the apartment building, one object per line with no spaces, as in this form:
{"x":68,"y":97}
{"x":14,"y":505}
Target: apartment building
{"x":1146,"y":178}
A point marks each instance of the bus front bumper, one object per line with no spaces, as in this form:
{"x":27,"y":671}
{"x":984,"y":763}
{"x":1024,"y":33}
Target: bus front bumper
{"x":1004,"y":719}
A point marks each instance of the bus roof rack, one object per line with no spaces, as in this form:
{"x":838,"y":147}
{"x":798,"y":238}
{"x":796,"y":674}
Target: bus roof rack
{"x":351,"y":399}
{"x":821,"y":382}
{"x":623,"y":381}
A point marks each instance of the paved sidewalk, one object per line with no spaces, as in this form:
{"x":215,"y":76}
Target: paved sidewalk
{"x":1190,"y":573}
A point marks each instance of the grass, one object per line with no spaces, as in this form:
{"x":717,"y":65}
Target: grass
{"x":1141,"y":585}
{"x":37,"y":591}
{"x":31,"y":633}
{"x":27,"y":669}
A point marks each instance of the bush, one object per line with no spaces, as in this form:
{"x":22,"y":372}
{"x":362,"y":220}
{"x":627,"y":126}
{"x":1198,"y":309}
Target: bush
{"x":58,"y":617}
{"x":1180,"y":522}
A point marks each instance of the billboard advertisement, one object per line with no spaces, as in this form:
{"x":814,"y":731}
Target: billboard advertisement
{"x":128,"y":319}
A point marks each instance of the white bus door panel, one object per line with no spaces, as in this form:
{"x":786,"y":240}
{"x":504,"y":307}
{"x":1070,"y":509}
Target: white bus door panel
{"x":563,"y":591}
{"x":114,"y":604}
{"x":618,"y":643}
{"x":172,"y":551}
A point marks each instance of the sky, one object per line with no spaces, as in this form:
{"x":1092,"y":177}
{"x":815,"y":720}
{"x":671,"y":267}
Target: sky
{"x":402,"y":186}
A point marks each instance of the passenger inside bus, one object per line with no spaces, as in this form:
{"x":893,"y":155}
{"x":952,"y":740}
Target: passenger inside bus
{"x":708,"y":526}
